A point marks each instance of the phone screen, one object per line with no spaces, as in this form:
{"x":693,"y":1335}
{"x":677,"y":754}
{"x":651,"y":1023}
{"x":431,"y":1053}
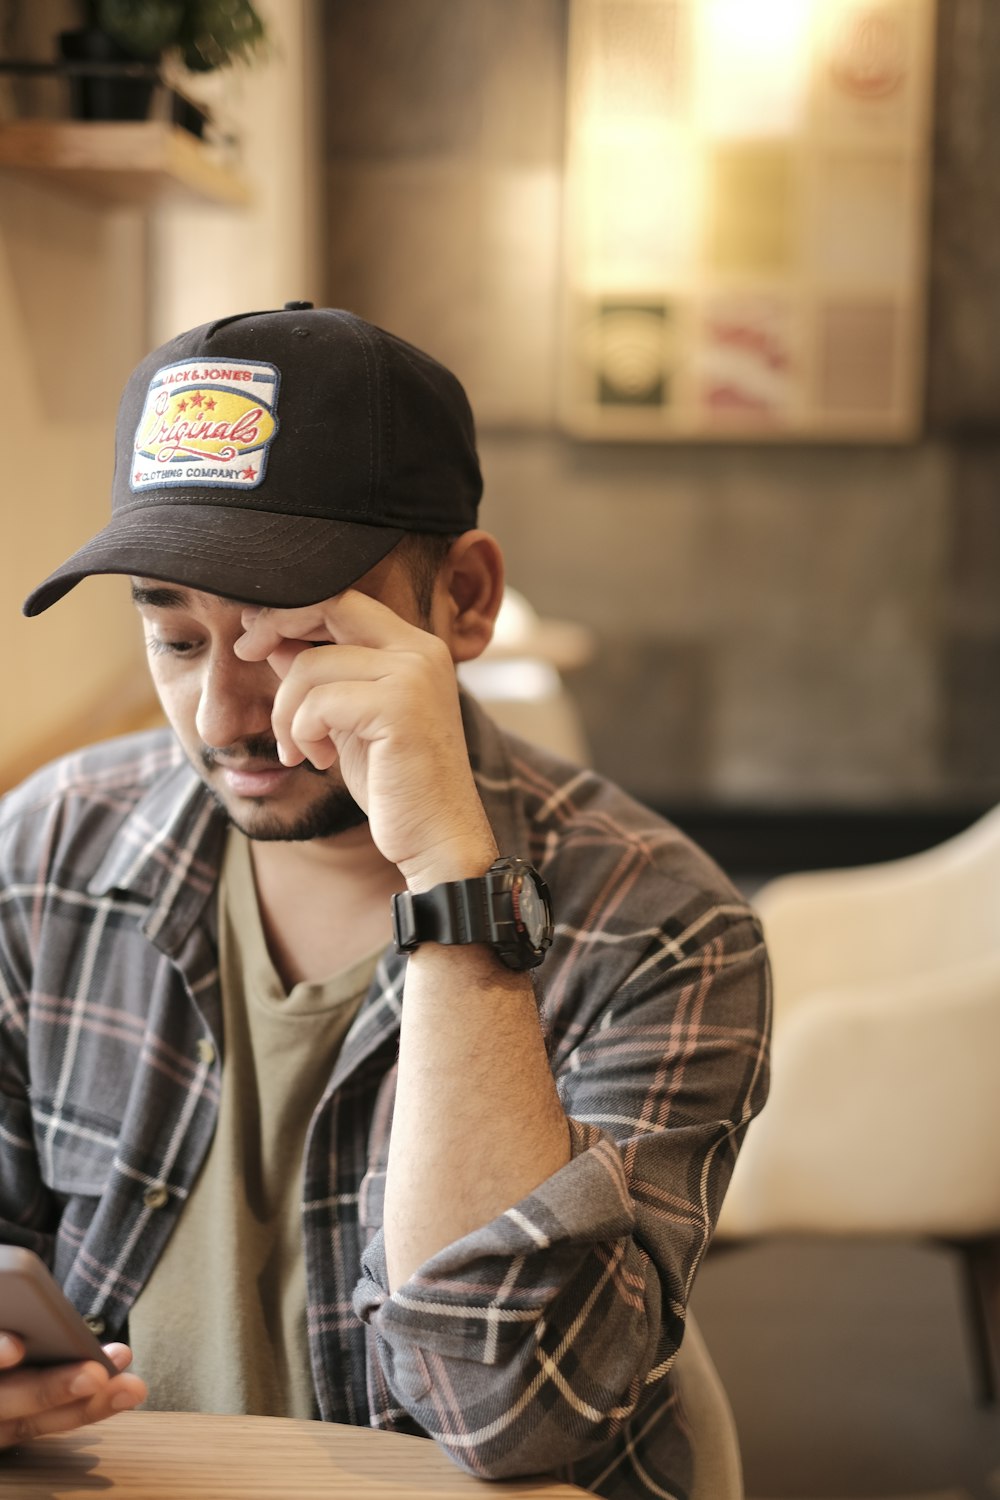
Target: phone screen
{"x":34,"y":1306}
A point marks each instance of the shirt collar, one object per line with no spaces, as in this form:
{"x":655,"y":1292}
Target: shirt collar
{"x":168,"y":849}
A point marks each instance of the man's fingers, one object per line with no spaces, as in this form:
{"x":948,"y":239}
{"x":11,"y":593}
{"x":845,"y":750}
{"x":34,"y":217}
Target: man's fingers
{"x":351,"y":618}
{"x":327,"y":677}
{"x":122,"y":1393}
{"x":70,"y":1416}
{"x":306,"y":726}
{"x":36,"y":1402}
{"x":41,"y":1424}
{"x":28,"y":1393}
{"x":282,"y":659}
{"x":11,"y":1351}
{"x":271,"y":631}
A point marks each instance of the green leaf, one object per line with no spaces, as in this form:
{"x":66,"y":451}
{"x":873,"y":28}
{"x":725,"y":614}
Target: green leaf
{"x":207,"y":33}
{"x":215,"y":33}
{"x":143,"y":27}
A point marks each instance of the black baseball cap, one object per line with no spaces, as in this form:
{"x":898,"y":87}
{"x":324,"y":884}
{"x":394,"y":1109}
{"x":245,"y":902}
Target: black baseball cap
{"x":276,"y":456}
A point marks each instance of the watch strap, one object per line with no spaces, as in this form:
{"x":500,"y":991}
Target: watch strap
{"x":453,"y":912}
{"x":492,"y":909}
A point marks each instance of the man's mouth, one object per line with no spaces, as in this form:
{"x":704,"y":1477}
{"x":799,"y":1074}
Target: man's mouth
{"x":260,"y":774}
{"x":253,"y":781}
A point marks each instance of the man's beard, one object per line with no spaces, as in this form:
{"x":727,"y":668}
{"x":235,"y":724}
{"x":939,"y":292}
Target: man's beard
{"x":334,"y":812}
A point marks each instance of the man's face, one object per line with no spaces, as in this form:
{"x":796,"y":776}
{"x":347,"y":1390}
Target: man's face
{"x":220,"y":708}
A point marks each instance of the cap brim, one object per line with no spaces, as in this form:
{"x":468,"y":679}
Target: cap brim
{"x":276,"y":560}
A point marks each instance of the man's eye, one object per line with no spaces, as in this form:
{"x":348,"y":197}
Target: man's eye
{"x":160,"y":647}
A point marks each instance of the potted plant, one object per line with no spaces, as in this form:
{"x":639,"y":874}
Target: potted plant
{"x":135,"y":37}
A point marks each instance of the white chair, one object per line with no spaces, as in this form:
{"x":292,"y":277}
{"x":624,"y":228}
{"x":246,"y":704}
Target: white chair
{"x":718,"y":1470}
{"x":884,"y":1114}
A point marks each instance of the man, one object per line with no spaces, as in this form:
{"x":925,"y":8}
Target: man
{"x":305,"y":1093}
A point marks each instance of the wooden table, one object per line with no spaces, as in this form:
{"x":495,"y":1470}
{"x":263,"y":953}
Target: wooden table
{"x":179,"y":1456}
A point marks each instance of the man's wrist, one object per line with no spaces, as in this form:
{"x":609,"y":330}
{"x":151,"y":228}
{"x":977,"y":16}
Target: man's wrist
{"x":465,"y":859}
{"x":507,"y":909}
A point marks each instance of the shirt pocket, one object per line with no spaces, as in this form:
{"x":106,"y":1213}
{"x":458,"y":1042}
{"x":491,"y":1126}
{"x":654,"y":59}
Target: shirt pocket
{"x":75,"y":1150}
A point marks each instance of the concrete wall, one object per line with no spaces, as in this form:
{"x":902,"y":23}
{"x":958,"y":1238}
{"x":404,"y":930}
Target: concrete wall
{"x":777,"y":626}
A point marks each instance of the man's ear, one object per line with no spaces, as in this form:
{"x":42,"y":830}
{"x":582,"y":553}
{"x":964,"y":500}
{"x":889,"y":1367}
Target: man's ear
{"x":468,"y":594}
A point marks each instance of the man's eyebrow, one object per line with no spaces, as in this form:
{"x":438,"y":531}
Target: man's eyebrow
{"x":160,"y":597}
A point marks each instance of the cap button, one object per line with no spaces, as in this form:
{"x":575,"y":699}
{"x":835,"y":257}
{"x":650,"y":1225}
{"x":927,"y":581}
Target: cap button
{"x":297,"y":306}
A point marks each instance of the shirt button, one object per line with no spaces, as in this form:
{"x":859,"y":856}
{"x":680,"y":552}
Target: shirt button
{"x":155,"y":1197}
{"x":96,"y":1325}
{"x":206,"y":1050}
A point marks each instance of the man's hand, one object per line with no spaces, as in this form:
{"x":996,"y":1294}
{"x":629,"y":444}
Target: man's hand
{"x":477,"y":1122}
{"x":34,"y":1402}
{"x":379,"y":695}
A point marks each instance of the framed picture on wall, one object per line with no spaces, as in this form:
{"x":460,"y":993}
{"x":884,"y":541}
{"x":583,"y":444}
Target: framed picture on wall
{"x":746,"y":219}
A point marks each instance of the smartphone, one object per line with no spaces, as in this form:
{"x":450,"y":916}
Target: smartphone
{"x":34,"y":1306}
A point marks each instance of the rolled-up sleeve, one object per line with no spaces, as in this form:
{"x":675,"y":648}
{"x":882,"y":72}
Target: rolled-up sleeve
{"x":531,"y":1344}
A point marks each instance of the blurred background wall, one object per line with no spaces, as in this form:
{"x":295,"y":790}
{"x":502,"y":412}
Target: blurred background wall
{"x":86,"y":288}
{"x":72,"y":322}
{"x":778,"y":627}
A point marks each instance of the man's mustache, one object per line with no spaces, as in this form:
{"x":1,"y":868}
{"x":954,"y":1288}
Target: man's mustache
{"x":257,"y":749}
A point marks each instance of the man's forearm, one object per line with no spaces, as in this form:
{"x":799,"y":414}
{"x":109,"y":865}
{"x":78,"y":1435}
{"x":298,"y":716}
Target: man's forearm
{"x":477,"y":1121}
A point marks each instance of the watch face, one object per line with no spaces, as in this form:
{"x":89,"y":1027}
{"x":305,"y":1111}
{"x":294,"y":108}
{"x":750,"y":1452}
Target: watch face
{"x":530,"y":910}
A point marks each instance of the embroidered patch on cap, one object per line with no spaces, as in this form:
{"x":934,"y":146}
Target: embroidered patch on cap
{"x":206,"y":424}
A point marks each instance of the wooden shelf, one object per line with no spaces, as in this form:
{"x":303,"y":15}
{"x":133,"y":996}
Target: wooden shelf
{"x":134,"y":163}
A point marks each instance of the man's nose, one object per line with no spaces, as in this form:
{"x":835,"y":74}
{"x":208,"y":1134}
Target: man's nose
{"x":235,"y":701}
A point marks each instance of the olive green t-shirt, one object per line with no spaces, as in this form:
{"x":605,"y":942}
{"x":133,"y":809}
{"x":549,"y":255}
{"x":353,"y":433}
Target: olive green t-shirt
{"x":221,"y":1324}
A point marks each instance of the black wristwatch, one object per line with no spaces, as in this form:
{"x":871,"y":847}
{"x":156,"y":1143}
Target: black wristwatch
{"x":508,"y":909}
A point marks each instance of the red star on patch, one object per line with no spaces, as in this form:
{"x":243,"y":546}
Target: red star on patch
{"x":138,"y":475}
{"x":182,"y":406}
{"x":248,"y":473}
{"x":209,"y":404}
{"x":197,"y":398}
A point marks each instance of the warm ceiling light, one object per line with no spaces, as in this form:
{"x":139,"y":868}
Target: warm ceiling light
{"x":753,"y":65}
{"x":765,"y":30}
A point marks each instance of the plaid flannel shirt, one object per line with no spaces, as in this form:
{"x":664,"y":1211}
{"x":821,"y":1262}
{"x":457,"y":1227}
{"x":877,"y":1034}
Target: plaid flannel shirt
{"x":543,"y":1342}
